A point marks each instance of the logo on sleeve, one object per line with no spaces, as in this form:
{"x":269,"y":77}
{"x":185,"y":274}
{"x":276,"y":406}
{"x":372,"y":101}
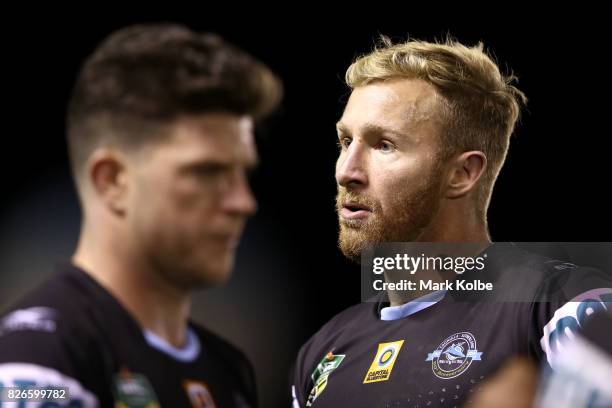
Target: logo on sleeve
{"x":33,"y":318}
{"x":454,"y":355}
{"x":321,"y":374}
{"x":382,"y":365}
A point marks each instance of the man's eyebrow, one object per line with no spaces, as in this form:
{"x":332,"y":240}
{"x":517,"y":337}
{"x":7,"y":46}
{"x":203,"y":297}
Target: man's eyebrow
{"x":371,"y":128}
{"x":250,"y":163}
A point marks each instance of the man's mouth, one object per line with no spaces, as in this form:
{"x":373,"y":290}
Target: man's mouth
{"x":226,"y":240}
{"x":354,"y":211}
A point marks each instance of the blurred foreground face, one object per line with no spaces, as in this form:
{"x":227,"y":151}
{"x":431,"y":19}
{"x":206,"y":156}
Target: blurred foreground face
{"x":387,"y":172}
{"x":192,"y":198}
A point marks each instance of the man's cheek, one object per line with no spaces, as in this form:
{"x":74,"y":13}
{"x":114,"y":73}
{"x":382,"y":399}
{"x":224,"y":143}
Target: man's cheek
{"x":389,"y":191}
{"x":187,"y":199}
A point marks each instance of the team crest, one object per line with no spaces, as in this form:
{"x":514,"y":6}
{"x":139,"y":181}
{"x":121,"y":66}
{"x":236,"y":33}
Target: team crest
{"x":382,"y":365}
{"x":320,"y":375}
{"x":454,"y":355}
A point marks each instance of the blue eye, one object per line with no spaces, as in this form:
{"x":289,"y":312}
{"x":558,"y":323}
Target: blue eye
{"x":385,"y":147}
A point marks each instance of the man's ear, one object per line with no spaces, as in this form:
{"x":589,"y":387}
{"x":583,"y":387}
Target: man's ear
{"x":107,"y":173}
{"x":465,"y":171}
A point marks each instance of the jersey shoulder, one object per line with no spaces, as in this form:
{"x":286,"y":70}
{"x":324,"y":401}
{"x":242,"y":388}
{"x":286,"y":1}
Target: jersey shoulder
{"x":232,"y":357}
{"x":47,"y":340}
{"x":55,"y":311}
{"x":220,"y":346}
{"x":321,"y":345}
{"x":343,"y":321}
{"x":558,"y":298}
{"x":528,"y":277}
{"x":323,"y":340}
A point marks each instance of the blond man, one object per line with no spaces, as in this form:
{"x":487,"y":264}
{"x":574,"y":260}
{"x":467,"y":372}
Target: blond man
{"x":422,"y":140}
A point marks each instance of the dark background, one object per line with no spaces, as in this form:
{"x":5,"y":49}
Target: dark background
{"x":290,"y":278}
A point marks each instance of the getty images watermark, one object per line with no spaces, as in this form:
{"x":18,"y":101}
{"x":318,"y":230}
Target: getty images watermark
{"x":477,"y":271}
{"x":404,"y":263}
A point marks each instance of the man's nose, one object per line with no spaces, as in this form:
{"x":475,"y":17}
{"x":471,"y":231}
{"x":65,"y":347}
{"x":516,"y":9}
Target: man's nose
{"x":239,"y":198}
{"x":351,"y":167}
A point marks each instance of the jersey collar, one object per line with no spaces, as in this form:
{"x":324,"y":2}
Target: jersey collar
{"x":186,"y":354}
{"x":416,"y":305}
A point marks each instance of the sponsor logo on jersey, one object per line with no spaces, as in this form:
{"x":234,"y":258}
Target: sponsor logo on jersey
{"x":199,"y":395}
{"x":454,"y":355}
{"x":33,"y":318}
{"x":382,"y":365}
{"x":569,"y":318}
{"x":321,"y":374}
{"x":132,"y":390}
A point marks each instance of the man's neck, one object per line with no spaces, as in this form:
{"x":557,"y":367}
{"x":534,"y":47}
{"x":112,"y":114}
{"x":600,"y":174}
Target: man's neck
{"x":470,"y":230}
{"x":153,"y":303}
{"x":449,"y":227}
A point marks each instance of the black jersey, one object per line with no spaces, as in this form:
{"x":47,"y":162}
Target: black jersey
{"x":70,"y":332}
{"x":438,"y":350}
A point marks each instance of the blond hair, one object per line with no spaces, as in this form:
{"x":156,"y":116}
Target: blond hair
{"x":479,"y":105}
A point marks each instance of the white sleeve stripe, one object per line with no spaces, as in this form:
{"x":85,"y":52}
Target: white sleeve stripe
{"x":46,"y":377}
{"x":295,"y":403}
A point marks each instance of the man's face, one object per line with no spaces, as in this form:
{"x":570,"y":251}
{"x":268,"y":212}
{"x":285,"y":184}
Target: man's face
{"x":192,"y":198}
{"x":388,"y":175}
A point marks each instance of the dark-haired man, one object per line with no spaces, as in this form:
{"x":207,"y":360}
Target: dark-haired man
{"x":160,"y":134}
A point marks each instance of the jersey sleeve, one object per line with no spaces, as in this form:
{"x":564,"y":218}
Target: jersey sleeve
{"x":566,"y":301}
{"x":299,"y":381}
{"x":311,"y":355}
{"x":38,"y":348}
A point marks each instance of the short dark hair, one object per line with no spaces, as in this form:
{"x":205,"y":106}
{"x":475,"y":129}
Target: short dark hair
{"x":149,"y":74}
